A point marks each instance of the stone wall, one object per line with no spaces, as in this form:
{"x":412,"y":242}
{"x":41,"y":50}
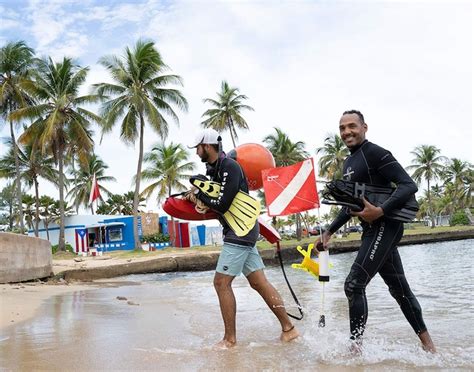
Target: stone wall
{"x":24,"y":258}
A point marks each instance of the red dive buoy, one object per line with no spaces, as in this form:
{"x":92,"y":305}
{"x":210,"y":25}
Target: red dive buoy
{"x":253,"y":158}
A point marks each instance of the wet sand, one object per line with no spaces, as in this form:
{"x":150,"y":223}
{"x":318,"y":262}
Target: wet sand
{"x":20,"y":302}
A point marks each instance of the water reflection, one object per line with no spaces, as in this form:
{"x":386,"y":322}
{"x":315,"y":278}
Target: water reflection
{"x":177,"y":320}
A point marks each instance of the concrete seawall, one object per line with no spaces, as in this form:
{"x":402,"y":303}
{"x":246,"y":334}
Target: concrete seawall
{"x":24,"y":258}
{"x":200,"y":261}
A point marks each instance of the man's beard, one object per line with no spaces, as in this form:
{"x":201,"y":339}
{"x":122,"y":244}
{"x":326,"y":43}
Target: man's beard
{"x":204,"y":156}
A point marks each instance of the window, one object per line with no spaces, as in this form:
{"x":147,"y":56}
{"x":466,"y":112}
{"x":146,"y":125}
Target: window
{"x":115,"y":234}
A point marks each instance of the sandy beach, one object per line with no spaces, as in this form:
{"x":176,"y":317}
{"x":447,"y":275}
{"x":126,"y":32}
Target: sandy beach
{"x":21,"y":301}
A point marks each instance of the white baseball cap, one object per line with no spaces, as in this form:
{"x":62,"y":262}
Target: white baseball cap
{"x":206,"y":136}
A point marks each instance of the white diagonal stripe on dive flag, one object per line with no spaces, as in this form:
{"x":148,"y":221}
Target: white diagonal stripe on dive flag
{"x":289,"y":192}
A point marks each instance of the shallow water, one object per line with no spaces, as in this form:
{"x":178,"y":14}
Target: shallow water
{"x":178,"y":320}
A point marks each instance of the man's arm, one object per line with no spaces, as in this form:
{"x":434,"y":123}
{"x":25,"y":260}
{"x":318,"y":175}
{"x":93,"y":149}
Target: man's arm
{"x":340,"y":220}
{"x":392,"y":171}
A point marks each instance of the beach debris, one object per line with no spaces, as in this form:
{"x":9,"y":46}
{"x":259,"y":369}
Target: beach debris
{"x":132,"y":303}
{"x":121,"y":298}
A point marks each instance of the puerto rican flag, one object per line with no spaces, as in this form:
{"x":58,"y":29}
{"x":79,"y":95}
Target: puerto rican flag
{"x":290,"y":189}
{"x":82,"y":240}
{"x":95,"y":192}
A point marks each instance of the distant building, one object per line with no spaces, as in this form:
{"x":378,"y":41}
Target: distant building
{"x":102,"y":232}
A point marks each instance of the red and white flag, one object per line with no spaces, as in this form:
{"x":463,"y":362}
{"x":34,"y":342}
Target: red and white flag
{"x":290,"y":189}
{"x":95,"y":192}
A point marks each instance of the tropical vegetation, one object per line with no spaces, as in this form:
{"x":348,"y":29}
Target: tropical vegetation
{"x":225,"y":113}
{"x":139,"y":94}
{"x":51,"y":127}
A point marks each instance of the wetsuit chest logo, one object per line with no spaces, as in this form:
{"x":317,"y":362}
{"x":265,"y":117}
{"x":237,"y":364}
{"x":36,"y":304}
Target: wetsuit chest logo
{"x":347,"y":176}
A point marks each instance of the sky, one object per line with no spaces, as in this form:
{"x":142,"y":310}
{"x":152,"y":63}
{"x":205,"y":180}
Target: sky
{"x":407,"y":65}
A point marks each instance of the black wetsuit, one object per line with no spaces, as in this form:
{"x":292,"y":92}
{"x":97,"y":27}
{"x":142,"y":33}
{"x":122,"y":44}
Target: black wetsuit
{"x":232,"y":179}
{"x":369,"y":163}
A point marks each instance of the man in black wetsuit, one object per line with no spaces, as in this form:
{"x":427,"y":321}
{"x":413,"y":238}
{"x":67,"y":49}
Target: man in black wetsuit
{"x":239,"y":254}
{"x":371,"y":164}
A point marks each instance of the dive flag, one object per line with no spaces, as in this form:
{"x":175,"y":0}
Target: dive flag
{"x":290,"y":189}
{"x":95,"y":192}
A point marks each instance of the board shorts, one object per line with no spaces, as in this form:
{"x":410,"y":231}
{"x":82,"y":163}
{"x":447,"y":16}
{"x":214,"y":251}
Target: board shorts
{"x":239,"y":259}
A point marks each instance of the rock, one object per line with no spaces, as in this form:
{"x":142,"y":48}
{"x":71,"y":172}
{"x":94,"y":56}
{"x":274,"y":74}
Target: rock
{"x":121,"y":298}
{"x":78,"y":259}
{"x":132,"y":303}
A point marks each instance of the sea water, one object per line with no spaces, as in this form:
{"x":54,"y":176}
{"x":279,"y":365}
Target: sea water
{"x":171,"y":322}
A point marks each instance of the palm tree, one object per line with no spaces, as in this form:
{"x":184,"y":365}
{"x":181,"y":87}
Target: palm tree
{"x":168,"y":168}
{"x":284,"y":150}
{"x":33,"y":165}
{"x":459,"y":173}
{"x":60,"y":121}
{"x":286,"y":153}
{"x":333,"y":154}
{"x":225,"y":113}
{"x":120,"y":204}
{"x":15,"y":61}
{"x":427,"y":165}
{"x":46,"y":207}
{"x":28,"y":210}
{"x":7,"y":201}
{"x":83,"y":177}
{"x":140,"y":93}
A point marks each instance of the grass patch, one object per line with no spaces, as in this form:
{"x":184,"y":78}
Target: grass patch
{"x":410,"y":229}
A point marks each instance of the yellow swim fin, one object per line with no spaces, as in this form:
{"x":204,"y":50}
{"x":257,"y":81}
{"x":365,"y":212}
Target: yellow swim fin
{"x":209,"y":188}
{"x":243,"y":211}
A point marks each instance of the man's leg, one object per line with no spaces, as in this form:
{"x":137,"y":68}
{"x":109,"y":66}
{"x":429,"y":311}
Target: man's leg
{"x":377,"y":242}
{"x":394,"y":276}
{"x":272,"y":298}
{"x":223,"y":286}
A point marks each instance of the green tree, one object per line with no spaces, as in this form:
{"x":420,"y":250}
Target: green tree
{"x":284,"y":150}
{"x":332,"y":157}
{"x":83,"y":178}
{"x":139,"y":94}
{"x":459,"y":174}
{"x":15,"y":62}
{"x":8,"y":203}
{"x":168,"y":167}
{"x":427,"y":165}
{"x":47,"y":207}
{"x":226,"y":111}
{"x":28,"y":203}
{"x":120,"y":204}
{"x":60,"y":119}
{"x":33,"y":165}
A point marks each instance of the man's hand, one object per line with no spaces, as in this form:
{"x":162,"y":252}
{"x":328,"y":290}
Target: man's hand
{"x":322,"y":243}
{"x":370,"y":213}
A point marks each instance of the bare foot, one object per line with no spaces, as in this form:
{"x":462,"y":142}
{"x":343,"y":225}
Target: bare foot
{"x":355,"y":347}
{"x":289,"y":335}
{"x":224,"y":345}
{"x":426,"y":342}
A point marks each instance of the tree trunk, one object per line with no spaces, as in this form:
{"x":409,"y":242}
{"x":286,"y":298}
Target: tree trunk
{"x":298,"y":226}
{"x":37,"y":206}
{"x":431,"y":213}
{"x":17,"y":178}
{"x":138,"y":245}
{"x":231,"y":130}
{"x":61,"y":242}
{"x":46,"y":225}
